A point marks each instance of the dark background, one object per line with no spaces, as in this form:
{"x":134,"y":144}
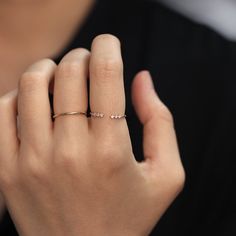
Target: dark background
{"x":194,"y":73}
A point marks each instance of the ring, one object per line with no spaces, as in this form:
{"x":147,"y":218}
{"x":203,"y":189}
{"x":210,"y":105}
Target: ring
{"x":70,"y":113}
{"x":101,"y":115}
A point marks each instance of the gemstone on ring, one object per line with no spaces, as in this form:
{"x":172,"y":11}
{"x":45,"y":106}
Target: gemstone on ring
{"x":97,"y":114}
{"x":117,"y":116}
{"x":101,"y":115}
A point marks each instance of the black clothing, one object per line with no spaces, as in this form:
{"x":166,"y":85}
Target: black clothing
{"x":195,"y":75}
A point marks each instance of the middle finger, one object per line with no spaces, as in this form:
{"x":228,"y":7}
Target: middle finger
{"x":70,"y":92}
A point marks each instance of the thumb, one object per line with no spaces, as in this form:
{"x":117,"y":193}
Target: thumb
{"x":159,"y":142}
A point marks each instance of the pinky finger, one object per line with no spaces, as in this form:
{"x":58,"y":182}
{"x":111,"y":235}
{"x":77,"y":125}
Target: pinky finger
{"x":9,"y":141}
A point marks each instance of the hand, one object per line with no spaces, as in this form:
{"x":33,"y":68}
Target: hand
{"x":78,"y":175}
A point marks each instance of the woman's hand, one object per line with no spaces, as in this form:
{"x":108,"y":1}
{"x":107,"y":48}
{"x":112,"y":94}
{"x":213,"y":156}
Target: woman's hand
{"x":78,"y":175}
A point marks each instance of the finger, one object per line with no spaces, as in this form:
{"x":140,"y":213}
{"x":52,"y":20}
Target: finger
{"x":160,"y":144}
{"x":70,"y":91}
{"x":8,"y":125}
{"x":33,"y":104}
{"x":106,"y":82}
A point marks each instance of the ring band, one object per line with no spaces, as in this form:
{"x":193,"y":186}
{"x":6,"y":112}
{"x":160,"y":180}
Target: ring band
{"x":93,"y":114}
{"x":70,"y":113}
{"x":101,"y":115}
{"x":97,"y":114}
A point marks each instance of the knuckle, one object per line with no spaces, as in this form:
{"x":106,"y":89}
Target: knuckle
{"x":74,"y":63}
{"x":174,"y":178}
{"x":66,"y":158}
{"x":34,"y":169}
{"x":67,"y":69}
{"x":105,"y":68}
{"x":46,"y":61}
{"x":181,"y":180}
{"x":68,"y":152}
{"x":163,"y":113}
{"x":178,"y":178}
{"x":30,"y":80}
{"x":106,"y":65}
{"x":112,"y":158}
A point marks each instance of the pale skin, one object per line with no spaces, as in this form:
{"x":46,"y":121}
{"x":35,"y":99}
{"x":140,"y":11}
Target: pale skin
{"x":78,"y":175}
{"x":31,"y":30}
{"x":37,"y":25}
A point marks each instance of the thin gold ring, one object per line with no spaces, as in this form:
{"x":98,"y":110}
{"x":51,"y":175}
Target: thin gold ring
{"x":70,"y":113}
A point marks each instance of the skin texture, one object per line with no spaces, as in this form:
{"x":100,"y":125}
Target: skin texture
{"x":50,"y":20}
{"x":78,"y":175}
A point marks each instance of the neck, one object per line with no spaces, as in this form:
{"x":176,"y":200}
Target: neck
{"x":31,"y":23}
{"x":34,"y":29}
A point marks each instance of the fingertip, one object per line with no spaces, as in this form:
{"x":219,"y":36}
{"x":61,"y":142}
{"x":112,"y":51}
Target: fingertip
{"x":105,"y":39}
{"x":145,"y":78}
{"x":142,"y":85}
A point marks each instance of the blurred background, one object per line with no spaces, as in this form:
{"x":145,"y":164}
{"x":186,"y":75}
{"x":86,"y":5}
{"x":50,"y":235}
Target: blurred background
{"x":220,"y":15}
{"x":189,"y":46}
